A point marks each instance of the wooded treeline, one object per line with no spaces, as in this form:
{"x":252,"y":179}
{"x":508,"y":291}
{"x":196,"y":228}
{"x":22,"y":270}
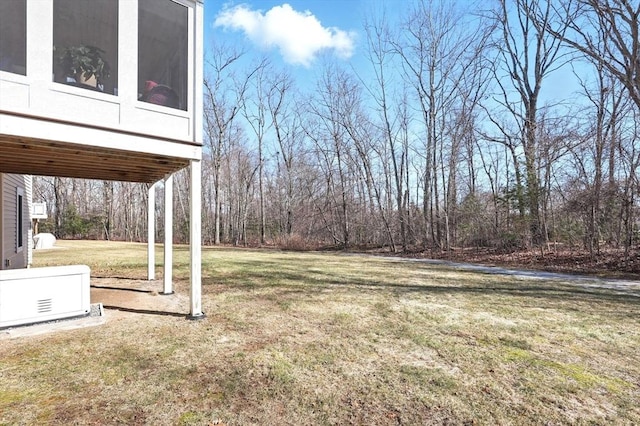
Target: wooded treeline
{"x":452,"y":136}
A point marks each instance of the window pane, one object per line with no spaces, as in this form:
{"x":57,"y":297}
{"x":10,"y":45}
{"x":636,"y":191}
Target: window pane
{"x":13,"y":36}
{"x":85,"y":44}
{"x":162,"y":53}
{"x":19,"y":219}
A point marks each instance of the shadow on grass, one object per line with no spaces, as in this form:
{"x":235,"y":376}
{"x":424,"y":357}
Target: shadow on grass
{"x":135,"y":290}
{"x":118,"y":277}
{"x":146,"y":311}
{"x":297,"y":281}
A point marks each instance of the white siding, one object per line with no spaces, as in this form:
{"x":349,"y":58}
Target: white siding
{"x":12,"y":258}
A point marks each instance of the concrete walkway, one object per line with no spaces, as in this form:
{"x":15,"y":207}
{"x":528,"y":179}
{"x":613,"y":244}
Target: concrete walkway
{"x":628,"y":287}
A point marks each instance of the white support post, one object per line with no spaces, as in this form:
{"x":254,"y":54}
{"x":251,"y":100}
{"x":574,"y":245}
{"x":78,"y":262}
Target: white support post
{"x":195,"y":196}
{"x":168,"y":235}
{"x":151,"y":233}
{"x":196,"y":240}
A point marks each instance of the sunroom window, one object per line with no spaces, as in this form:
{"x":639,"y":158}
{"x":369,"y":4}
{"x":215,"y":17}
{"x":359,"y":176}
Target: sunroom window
{"x":162,"y":53}
{"x":85,"y":44}
{"x":13,"y":36}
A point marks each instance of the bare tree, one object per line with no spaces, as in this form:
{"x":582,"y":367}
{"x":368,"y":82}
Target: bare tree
{"x":436,"y":50}
{"x":224,"y":92}
{"x":255,"y":111}
{"x":392,"y":107}
{"x":596,"y":157}
{"x":330,"y":139}
{"x":527,"y":53}
{"x":287,"y":126}
{"x":608,"y":33}
{"x":364,"y":138}
{"x":628,"y":175}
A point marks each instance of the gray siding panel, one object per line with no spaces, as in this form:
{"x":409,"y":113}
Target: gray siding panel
{"x":11,"y":258}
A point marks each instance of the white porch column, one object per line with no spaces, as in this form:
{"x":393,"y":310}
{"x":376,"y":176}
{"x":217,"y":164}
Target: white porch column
{"x":151,"y":233}
{"x":168,"y":235}
{"x":195,"y":196}
{"x":196,"y":240}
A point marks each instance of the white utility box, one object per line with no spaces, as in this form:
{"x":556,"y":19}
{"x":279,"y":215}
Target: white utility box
{"x":43,"y":294}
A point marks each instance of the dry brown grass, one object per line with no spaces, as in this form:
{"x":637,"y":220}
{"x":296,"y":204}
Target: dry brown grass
{"x":309,"y":338}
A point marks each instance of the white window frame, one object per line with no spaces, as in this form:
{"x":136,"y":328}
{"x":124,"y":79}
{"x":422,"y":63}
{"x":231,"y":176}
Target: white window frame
{"x":189,"y":112}
{"x":19,"y":220}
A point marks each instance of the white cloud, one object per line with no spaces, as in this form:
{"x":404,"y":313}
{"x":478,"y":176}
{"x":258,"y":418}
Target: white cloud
{"x":299,"y":36}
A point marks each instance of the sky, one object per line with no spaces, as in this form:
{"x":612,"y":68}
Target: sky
{"x":296,"y":34}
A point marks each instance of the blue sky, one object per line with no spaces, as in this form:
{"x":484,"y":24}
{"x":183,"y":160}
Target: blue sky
{"x":294,"y":34}
{"x":294,"y":29}
{"x":273,"y":28}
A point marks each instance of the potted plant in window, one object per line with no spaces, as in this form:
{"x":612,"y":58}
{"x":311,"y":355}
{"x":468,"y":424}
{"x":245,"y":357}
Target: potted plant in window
{"x":85,"y":64}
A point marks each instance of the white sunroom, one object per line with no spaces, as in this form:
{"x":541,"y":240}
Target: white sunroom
{"x":105,"y":89}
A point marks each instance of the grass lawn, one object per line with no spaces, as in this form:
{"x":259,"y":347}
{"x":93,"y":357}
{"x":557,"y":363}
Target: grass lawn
{"x":323,"y":338}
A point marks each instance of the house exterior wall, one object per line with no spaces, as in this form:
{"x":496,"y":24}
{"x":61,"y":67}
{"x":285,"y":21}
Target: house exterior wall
{"x":14,"y":257}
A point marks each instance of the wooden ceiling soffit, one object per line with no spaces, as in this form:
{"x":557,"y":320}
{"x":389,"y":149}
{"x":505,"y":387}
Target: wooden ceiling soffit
{"x":48,"y":158}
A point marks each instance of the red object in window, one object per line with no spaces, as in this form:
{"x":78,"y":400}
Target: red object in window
{"x":159,"y":94}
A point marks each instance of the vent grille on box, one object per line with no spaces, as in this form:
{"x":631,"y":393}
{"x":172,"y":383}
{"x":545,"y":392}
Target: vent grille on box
{"x":44,"y":305}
